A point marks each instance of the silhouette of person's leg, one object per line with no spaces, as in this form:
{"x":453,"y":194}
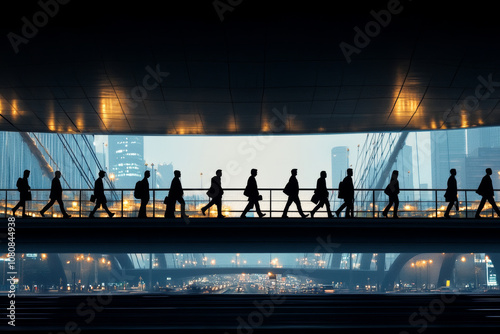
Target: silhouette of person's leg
{"x":287,"y":206}
{"x":328,"y":209}
{"x":142,"y":209}
{"x":18,"y":205}
{"x":316,"y":208}
{"x":46,"y":207}
{"x":61,"y":207}
{"x":494,"y":205}
{"x":97,"y":205}
{"x":388,"y":207}
{"x":448,"y":208}
{"x":299,"y":207}
{"x":23,"y":203}
{"x":480,"y":207}
{"x":339,"y":210}
{"x":350,"y":208}
{"x":396,"y":206}
{"x":218,"y":203}
{"x":209,"y":205}
{"x":105,"y":207}
{"x":247,"y":208}
{"x":257,"y":209}
{"x":14,"y":209}
{"x":183,"y":206}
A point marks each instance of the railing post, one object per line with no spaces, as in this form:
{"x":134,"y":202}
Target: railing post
{"x":154,"y":203}
{"x":436,"y":201}
{"x":270,"y":203}
{"x":6,"y":202}
{"x":373,"y":203}
{"x":122,"y":202}
{"x":466,"y":205}
{"x":80,"y":203}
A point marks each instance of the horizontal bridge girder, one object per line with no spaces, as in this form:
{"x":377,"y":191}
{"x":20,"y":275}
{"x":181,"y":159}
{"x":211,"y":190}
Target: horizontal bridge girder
{"x":205,"y":235}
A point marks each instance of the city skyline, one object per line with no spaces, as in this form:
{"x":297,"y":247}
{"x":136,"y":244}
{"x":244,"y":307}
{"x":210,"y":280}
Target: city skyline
{"x":239,"y":154}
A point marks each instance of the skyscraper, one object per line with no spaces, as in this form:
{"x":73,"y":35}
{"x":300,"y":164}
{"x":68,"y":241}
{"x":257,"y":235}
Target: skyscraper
{"x":164,"y":175}
{"x":126,"y":159}
{"x":404,"y":164}
{"x":340,"y":163}
{"x":448,"y":150}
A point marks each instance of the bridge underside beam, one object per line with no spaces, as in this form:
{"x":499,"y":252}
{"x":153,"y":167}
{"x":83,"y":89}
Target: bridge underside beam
{"x":258,"y":235}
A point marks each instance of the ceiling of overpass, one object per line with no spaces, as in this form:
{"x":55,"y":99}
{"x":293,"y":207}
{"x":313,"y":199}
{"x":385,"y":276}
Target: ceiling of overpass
{"x":244,"y":67}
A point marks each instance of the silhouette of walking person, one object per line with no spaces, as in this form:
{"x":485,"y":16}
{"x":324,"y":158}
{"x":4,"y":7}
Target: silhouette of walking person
{"x":321,"y":196}
{"x":144,"y":194}
{"x":24,"y":193}
{"x":347,"y":193}
{"x":100,"y":198}
{"x":451,"y":194}
{"x":252,"y":192}
{"x":485,"y":189}
{"x":292,"y":190}
{"x":55,"y":195}
{"x":175,"y":195}
{"x":215,"y":192}
{"x":392,"y":190}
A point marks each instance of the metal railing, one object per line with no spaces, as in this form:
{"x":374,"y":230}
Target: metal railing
{"x":368,"y":203}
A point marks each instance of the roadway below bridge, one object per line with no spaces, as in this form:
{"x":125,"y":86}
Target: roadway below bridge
{"x":319,"y":274}
{"x":211,"y":235}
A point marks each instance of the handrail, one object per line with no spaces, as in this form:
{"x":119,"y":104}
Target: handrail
{"x":414,"y":202}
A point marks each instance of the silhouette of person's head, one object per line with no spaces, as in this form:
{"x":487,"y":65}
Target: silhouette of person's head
{"x":323,"y":174}
{"x":395,"y":174}
{"x":294,"y":172}
{"x":102,"y":173}
{"x":253,"y":172}
{"x":453,"y":171}
{"x":26,"y":174}
{"x":147,"y":174}
{"x":218,"y":173}
{"x":58,"y":174}
{"x":488,"y":171}
{"x":177,"y":173}
{"x":349,"y":171}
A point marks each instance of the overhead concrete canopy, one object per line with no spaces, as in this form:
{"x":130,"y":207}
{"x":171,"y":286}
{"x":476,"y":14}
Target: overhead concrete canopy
{"x":244,"y":67}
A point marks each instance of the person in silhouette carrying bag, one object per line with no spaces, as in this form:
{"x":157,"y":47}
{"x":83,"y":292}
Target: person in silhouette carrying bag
{"x":175,"y":195}
{"x":24,"y":193}
{"x":392,"y":190}
{"x":100,"y":198}
{"x":55,"y":195}
{"x":320,"y":196}
{"x":143,"y":188}
{"x":485,"y":189}
{"x":347,"y":193}
{"x":451,"y":194}
{"x":252,"y":192}
{"x":215,"y":192}
{"x":292,"y":190}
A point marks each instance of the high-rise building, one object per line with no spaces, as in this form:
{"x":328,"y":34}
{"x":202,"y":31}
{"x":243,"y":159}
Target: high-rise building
{"x":404,"y":165}
{"x":126,"y":160}
{"x":448,"y":150}
{"x":340,"y":163}
{"x":476,"y":164}
{"x":469,"y":151}
{"x":164,"y":175}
